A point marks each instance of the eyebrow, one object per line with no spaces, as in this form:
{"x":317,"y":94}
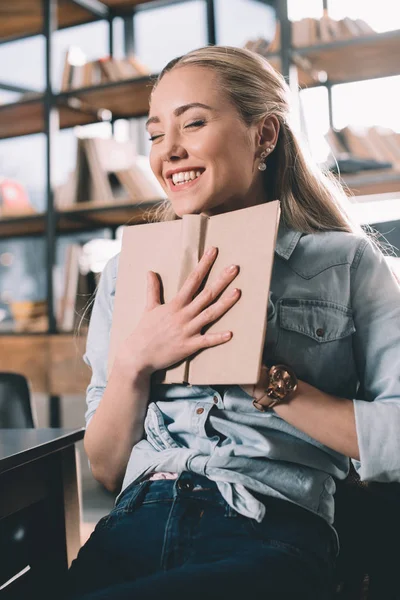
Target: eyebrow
{"x":180,"y":110}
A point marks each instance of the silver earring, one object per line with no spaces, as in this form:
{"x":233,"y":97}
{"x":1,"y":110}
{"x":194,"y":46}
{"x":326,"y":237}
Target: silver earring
{"x":262,"y":166}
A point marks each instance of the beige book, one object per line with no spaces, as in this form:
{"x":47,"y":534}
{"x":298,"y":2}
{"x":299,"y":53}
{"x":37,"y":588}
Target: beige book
{"x":138,"y":65}
{"x":335,"y":29}
{"x":325,"y":35}
{"x":348,"y":28}
{"x":105,"y":158}
{"x":392,"y":139}
{"x":313,"y":32}
{"x":378,"y":138}
{"x":301,"y":32}
{"x":66,"y":314}
{"x":276,"y":42}
{"x":126,"y":179}
{"x":246,"y":237}
{"x":67,"y":73}
{"x":335,"y":143}
{"x":364,"y":28}
{"x":359,"y":144}
{"x":126,"y":69}
{"x":108,"y":68}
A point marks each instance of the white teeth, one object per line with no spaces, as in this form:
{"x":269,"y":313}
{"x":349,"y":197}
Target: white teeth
{"x":184,"y":176}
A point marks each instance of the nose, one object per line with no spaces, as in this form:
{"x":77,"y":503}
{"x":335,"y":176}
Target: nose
{"x":173,"y":149}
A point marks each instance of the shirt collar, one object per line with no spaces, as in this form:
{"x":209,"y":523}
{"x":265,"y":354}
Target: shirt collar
{"x":287,"y":240}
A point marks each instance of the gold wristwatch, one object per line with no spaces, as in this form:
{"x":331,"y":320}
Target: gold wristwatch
{"x":276,"y":385}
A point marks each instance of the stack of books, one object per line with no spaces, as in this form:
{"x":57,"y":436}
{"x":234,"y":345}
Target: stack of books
{"x":107,"y":171}
{"x":308,"y":32}
{"x":79,"y":73}
{"x":371,"y":147}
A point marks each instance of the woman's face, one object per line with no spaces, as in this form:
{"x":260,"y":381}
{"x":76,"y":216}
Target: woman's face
{"x":203,"y":155}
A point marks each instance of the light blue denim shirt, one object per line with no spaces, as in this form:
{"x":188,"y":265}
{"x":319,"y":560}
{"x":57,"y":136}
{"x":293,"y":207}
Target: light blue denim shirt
{"x":334,"y":317}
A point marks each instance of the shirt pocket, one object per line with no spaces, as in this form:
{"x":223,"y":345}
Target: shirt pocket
{"x":156,"y":430}
{"x":315,"y":339}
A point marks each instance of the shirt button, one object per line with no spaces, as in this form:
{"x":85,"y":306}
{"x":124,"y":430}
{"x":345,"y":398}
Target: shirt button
{"x":320,"y":332}
{"x":215,"y":399}
{"x":200,"y":411}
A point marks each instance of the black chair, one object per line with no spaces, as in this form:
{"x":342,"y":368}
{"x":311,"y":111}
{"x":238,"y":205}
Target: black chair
{"x":15,"y":402}
{"x":367,"y":518}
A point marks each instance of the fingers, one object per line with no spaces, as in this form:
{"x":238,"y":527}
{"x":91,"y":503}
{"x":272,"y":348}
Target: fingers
{"x":214,"y":311}
{"x":153,"y":290}
{"x":211,"y":292}
{"x":196,"y":277}
{"x":209,"y":339}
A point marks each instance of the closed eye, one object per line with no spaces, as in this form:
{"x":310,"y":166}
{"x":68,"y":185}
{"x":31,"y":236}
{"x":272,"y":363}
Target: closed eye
{"x":198,"y":123}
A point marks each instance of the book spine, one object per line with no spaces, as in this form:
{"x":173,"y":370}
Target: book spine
{"x":193,"y":235}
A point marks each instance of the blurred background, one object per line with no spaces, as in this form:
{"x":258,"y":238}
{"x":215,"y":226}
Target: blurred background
{"x":74,"y":88}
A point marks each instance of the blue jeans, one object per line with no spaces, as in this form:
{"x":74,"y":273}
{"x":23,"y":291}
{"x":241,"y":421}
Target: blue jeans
{"x":179,"y":539}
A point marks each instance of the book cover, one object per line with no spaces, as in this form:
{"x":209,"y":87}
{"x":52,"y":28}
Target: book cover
{"x":172,"y":249}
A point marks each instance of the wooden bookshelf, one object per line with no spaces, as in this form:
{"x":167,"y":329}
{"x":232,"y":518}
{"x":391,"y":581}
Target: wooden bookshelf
{"x":85,"y":216}
{"x":95,"y":215}
{"x":27,"y":117}
{"x":21,"y":18}
{"x":128,"y":98}
{"x":124,"y":4}
{"x":373,"y":182}
{"x":355,"y":59}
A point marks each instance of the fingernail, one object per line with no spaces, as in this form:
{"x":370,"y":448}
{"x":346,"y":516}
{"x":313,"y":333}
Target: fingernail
{"x":211,"y":251}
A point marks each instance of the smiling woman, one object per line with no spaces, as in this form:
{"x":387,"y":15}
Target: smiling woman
{"x":226,"y":489}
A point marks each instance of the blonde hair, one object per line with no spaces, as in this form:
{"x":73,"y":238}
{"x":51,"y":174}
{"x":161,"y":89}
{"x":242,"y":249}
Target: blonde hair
{"x":311,"y":199}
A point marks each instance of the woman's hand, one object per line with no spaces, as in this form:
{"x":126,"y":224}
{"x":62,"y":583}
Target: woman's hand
{"x":168,"y":333}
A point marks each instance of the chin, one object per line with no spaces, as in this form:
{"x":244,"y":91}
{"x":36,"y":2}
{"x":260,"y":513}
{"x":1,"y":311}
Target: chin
{"x":187,"y":207}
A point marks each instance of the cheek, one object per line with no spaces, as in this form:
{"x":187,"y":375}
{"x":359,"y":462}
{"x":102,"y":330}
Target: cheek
{"x":155,"y":164}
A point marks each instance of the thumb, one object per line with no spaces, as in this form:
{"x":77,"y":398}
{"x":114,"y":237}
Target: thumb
{"x":153,"y":290}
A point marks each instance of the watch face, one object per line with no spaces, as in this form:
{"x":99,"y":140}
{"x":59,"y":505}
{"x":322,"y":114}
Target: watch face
{"x":281,"y":382}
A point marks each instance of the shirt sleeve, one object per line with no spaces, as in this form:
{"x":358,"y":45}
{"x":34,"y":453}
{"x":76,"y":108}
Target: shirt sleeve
{"x":98,"y":339}
{"x":376,"y":311}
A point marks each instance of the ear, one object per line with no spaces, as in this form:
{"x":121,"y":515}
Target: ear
{"x":267,"y":132}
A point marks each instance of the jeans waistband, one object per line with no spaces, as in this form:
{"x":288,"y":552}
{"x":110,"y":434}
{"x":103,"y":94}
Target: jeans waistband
{"x":191,"y":485}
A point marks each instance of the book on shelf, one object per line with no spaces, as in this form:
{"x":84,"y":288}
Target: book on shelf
{"x":309,"y":31}
{"x":108,"y":171}
{"x":172,"y":249}
{"x":262,"y":46}
{"x":372,"y":147}
{"x":77,"y":289}
{"x":14,"y":199}
{"x":79,"y":72}
{"x":77,"y":280}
